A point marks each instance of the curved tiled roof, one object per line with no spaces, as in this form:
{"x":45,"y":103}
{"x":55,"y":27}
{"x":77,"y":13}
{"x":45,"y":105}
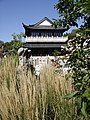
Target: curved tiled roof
{"x":38,"y":26}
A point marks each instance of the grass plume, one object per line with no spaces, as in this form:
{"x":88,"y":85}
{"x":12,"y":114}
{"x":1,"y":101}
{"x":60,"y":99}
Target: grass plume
{"x":22,"y":97}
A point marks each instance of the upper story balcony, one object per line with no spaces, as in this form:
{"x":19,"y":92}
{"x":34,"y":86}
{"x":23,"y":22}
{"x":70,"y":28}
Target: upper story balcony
{"x":46,"y":39}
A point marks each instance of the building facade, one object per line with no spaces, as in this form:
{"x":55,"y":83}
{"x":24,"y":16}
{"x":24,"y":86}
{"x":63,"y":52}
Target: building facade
{"x":42,"y":39}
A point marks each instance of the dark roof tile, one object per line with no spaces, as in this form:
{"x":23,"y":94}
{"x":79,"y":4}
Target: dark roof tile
{"x":37,"y":25}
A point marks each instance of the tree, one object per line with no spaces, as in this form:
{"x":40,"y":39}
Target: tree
{"x":15,"y":44}
{"x":1,"y":43}
{"x":7,"y":47}
{"x":72,"y":10}
{"x":17,"y":41}
{"x":79,"y":58}
{"x":72,"y":34}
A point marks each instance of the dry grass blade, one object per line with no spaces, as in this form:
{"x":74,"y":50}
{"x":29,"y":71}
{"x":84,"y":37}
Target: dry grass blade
{"x":22,"y":97}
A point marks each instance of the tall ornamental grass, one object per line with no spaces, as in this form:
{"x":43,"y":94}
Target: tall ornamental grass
{"x":23,"y":97}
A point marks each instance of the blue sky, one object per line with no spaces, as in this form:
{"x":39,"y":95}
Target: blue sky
{"x":14,"y":12}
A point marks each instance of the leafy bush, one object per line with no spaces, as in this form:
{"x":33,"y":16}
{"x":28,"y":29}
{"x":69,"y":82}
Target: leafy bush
{"x":79,"y":62}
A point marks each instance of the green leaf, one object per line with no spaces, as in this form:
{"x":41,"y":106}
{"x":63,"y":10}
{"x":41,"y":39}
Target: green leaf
{"x":83,"y":109}
{"x":78,"y":84}
{"x":87,"y":94}
{"x":71,"y":95}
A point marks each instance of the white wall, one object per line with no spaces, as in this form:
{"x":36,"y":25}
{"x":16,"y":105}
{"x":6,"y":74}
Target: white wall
{"x":46,"y":23}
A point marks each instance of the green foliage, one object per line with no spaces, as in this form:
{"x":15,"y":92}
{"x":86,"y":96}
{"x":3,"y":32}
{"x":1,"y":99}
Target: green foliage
{"x":1,"y":43}
{"x":56,"y":53}
{"x":83,"y":109}
{"x":72,"y":10}
{"x":7,"y":46}
{"x":79,"y":62}
{"x":72,"y":34}
{"x":15,"y":44}
{"x":17,"y":41}
{"x":69,"y":96}
{"x":79,"y":47}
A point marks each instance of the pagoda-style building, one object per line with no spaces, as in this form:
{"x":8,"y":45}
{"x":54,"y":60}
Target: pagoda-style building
{"x":43,"y":39}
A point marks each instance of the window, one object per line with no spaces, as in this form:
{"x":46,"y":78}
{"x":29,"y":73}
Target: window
{"x":34,"y":34}
{"x":57,"y":34}
{"x":49,"y":34}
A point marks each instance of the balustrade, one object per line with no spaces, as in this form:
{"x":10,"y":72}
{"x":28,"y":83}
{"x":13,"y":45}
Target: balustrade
{"x":46,"y":39}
